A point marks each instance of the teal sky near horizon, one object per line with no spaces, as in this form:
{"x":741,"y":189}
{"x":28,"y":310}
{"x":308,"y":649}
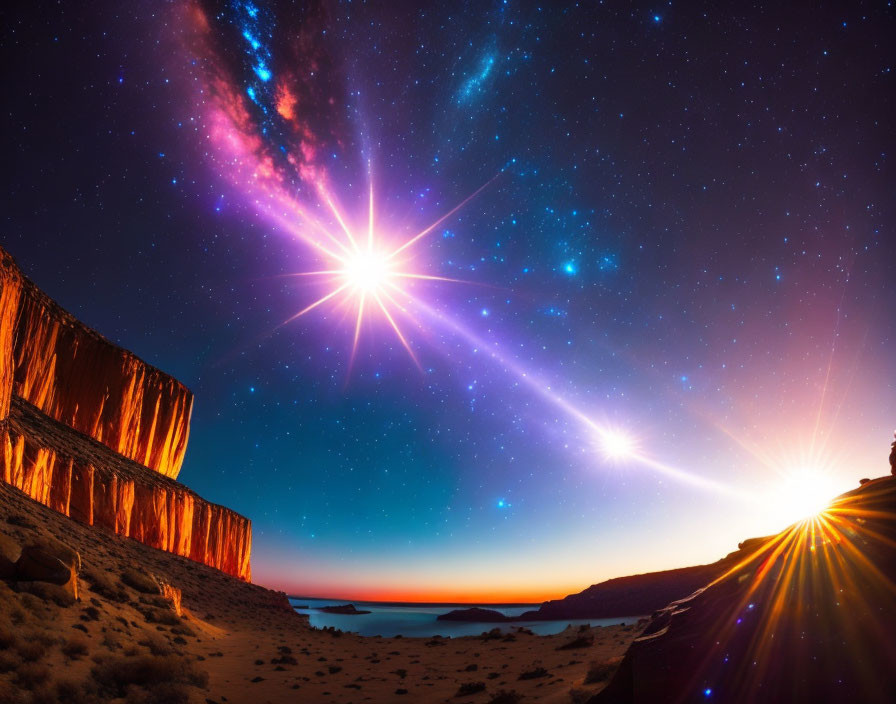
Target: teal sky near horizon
{"x":669,"y":325}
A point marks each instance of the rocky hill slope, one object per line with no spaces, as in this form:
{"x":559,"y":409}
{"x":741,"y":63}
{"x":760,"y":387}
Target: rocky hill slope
{"x":639,"y":594}
{"x":806,"y":617}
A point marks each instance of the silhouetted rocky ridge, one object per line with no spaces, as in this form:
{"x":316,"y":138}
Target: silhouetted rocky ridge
{"x":806,"y":616}
{"x":636,"y":595}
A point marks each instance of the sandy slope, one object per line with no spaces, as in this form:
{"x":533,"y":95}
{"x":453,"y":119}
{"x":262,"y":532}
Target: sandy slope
{"x":221,"y":649}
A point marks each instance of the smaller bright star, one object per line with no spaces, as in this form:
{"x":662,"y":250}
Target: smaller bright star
{"x":616,"y":444}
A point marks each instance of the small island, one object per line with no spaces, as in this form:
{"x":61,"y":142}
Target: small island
{"x":476,"y":615}
{"x":345,"y":609}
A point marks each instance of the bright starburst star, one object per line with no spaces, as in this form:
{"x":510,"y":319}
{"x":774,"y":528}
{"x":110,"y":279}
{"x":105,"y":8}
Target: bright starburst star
{"x":368,"y":271}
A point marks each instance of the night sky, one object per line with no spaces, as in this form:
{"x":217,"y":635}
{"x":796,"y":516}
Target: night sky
{"x":683,"y":252}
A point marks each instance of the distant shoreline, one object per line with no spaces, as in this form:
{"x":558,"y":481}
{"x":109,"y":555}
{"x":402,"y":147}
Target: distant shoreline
{"x":505,"y":605}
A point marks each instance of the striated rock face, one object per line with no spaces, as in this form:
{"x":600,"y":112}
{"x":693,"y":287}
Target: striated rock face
{"x":82,"y":380}
{"x":95,"y":433}
{"x":83,"y":479}
{"x":10,"y":289}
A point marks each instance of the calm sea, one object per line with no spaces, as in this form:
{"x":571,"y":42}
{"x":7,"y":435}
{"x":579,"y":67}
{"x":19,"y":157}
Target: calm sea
{"x":414,"y":621}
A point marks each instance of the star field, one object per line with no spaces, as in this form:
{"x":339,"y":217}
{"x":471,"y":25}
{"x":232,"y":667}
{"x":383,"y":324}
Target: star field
{"x":684,"y":237}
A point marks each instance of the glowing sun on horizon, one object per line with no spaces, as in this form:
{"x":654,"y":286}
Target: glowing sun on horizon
{"x":804,"y":493}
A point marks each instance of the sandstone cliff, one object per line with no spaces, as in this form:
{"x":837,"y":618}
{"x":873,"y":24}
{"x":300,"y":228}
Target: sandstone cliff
{"x":81,"y":379}
{"x":83,"y":479}
{"x":95,"y":433}
{"x":10,"y":289}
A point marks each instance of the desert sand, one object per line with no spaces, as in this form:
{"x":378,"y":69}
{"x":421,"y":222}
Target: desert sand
{"x":126,"y":637}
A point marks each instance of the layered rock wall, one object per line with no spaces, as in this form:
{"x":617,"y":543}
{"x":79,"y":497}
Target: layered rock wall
{"x":83,"y":479}
{"x":93,"y":432}
{"x":10,"y":290}
{"x":82,"y":380}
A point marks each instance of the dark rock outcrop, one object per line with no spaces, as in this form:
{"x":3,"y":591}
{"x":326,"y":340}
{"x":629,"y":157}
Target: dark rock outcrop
{"x":9,"y":555}
{"x":344,"y":609}
{"x":475,"y":615}
{"x":46,"y":567}
{"x":806,"y":616}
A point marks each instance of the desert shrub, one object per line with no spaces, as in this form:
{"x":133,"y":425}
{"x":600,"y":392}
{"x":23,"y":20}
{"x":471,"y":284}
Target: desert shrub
{"x":70,"y":692}
{"x":7,"y":639}
{"x":43,"y":694}
{"x":32,"y":603}
{"x":46,"y":594}
{"x":333,"y":669}
{"x":11,"y":693}
{"x":580,"y":696}
{"x":576,"y":643}
{"x":102,"y":584}
{"x":17,"y":615}
{"x":600,"y":672}
{"x":9,"y":661}
{"x":156,"y":645}
{"x":74,"y":647}
{"x":160,"y":693}
{"x":184,"y":630}
{"x":506,"y":697}
{"x":31,"y":674}
{"x":468,"y":688}
{"x":534,"y":674}
{"x":115,"y":675}
{"x":156,"y":600}
{"x":111,"y":642}
{"x":140,"y":581}
{"x":17,"y":519}
{"x":31,"y":649}
{"x":162,"y":616}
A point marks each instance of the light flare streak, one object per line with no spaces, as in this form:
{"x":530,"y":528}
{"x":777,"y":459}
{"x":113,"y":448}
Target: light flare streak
{"x":604,"y":434}
{"x":365,"y":270}
{"x":812,"y":577}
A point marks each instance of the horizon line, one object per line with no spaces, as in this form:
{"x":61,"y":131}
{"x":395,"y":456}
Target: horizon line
{"x":419,"y":603}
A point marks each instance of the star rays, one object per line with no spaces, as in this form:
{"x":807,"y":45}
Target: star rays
{"x":367,"y":272}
